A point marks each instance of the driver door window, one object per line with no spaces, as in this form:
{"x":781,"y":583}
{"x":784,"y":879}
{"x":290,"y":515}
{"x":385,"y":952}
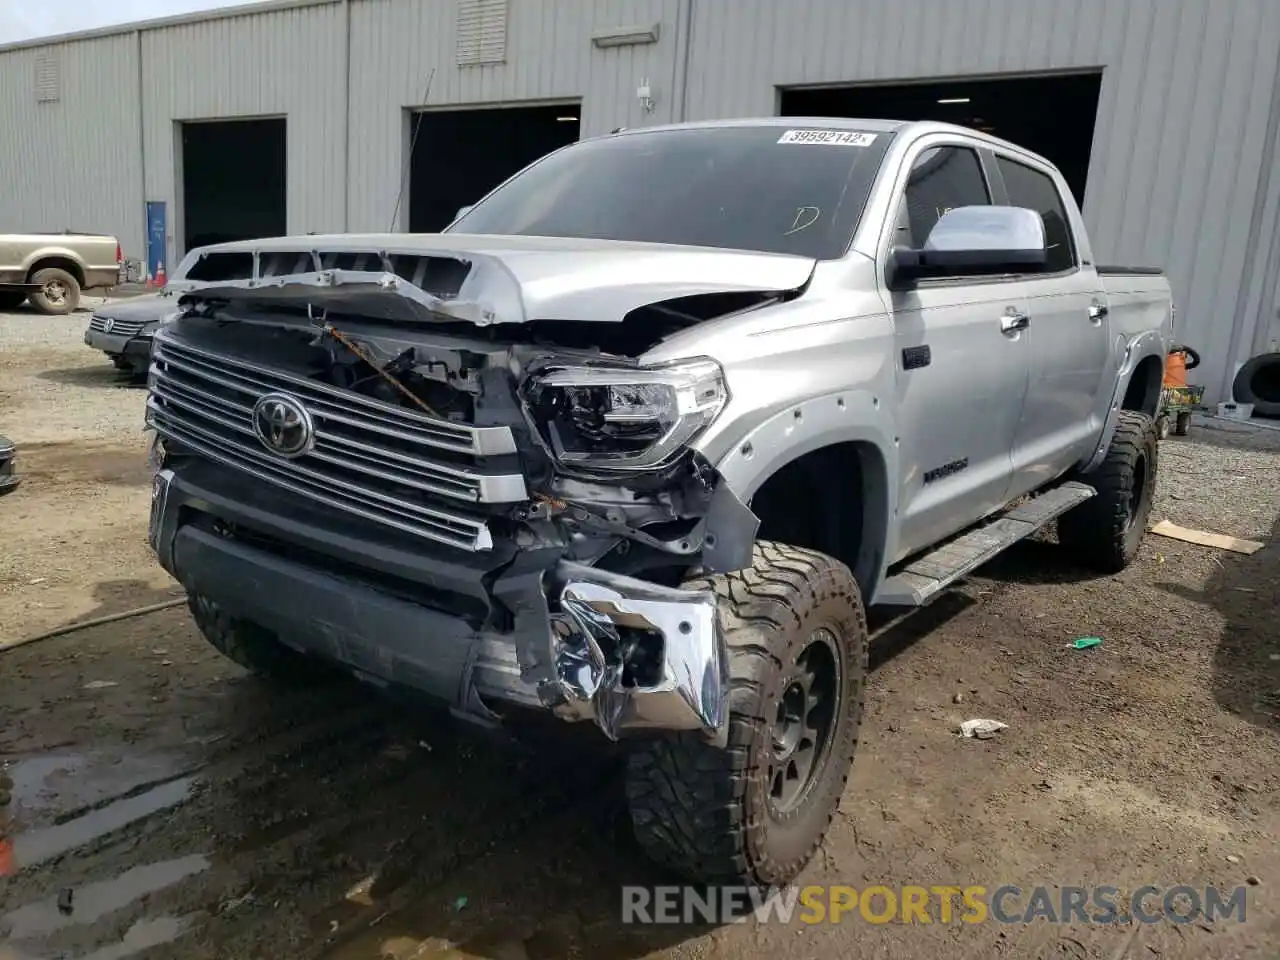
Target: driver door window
{"x":940,"y":179}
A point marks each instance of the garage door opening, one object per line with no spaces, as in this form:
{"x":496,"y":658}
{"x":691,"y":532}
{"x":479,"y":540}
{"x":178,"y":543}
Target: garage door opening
{"x":233,"y":180}
{"x":1053,"y":116}
{"x":460,"y":155}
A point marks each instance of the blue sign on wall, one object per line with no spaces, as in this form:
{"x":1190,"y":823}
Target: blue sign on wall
{"x":157,"y":228}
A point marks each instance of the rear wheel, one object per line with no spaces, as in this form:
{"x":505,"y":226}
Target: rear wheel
{"x":757,"y":811}
{"x":1162,"y":427}
{"x":59,"y":291}
{"x":1182,"y":426}
{"x":251,"y":646}
{"x":1106,"y":530}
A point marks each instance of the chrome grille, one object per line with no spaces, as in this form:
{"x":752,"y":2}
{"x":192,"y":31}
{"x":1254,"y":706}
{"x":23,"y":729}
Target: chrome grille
{"x":123,"y":328}
{"x":372,"y":459}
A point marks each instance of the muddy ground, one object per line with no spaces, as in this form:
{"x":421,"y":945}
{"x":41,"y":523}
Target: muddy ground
{"x":179,"y":808}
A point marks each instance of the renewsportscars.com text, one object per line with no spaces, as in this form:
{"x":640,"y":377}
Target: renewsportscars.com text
{"x":932,"y":904}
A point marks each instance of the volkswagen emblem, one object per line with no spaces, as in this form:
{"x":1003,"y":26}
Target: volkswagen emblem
{"x":108,"y":324}
{"x":283,"y":425}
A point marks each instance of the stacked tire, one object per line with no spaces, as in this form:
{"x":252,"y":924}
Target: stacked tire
{"x":1258,"y":383}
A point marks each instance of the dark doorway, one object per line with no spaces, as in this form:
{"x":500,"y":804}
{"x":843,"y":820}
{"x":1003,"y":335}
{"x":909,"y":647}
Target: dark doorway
{"x":460,"y":155}
{"x":1052,"y":116}
{"x":233,"y":181}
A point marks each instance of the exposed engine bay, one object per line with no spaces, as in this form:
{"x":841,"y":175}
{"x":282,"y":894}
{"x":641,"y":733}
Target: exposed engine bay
{"x":457,"y":493}
{"x":602,"y":439}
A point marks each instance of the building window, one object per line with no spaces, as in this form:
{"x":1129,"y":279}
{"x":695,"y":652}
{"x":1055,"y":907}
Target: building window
{"x":47,"y":85}
{"x":482,"y":32}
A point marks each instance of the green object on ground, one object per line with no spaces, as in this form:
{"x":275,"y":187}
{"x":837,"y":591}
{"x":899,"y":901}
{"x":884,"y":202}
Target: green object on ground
{"x":1084,"y":643}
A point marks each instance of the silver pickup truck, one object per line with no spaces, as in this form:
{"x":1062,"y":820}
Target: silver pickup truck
{"x":51,"y":269}
{"x":639,"y":435}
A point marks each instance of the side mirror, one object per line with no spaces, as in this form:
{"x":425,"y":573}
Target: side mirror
{"x":974,"y":241}
{"x":463,"y":211}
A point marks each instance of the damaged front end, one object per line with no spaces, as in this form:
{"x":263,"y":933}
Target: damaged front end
{"x":568,"y":468}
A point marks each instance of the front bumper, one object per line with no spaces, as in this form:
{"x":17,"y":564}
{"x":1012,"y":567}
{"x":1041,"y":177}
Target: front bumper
{"x":135,"y":349}
{"x":8,"y":478}
{"x":565,"y":639}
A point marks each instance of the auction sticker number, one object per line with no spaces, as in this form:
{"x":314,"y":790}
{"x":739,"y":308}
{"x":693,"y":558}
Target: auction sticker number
{"x":838,"y":138}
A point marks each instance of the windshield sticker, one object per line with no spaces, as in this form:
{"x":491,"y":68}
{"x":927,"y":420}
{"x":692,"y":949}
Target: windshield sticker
{"x":839,"y":138}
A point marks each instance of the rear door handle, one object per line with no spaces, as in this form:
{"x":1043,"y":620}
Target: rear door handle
{"x":1014,"y":320}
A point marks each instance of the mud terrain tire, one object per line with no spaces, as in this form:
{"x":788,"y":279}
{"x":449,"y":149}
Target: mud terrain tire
{"x":1105,"y":531}
{"x":253,"y":647}
{"x":795,"y":625}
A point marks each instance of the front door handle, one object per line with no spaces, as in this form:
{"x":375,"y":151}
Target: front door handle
{"x":1014,"y":320}
{"x":1098,"y":312}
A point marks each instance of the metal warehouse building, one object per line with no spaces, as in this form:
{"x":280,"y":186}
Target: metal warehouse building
{"x":298,"y":116}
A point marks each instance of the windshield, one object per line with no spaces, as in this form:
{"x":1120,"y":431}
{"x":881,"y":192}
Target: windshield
{"x":764,"y":188}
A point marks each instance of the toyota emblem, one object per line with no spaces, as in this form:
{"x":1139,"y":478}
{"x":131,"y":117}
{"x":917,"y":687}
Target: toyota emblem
{"x":283,"y":425}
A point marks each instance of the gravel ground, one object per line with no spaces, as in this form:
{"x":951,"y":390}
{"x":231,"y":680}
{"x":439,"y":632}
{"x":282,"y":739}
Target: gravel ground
{"x":186,"y":811}
{"x":1223,"y":477}
{"x":54,"y":388}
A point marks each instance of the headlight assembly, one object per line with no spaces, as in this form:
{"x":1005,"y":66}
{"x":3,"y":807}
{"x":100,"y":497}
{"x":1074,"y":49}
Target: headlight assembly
{"x":624,"y":418}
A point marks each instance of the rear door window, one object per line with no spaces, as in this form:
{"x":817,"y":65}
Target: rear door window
{"x":1036,"y":191}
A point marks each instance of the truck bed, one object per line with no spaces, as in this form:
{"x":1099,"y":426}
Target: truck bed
{"x":1139,"y":297}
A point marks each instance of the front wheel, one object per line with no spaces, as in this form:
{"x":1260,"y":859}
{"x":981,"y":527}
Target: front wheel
{"x":757,"y":811}
{"x":1106,"y":530}
{"x":251,"y":646}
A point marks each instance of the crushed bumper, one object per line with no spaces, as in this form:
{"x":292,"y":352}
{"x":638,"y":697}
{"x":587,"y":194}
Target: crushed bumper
{"x":135,"y":349}
{"x":574,"y":637}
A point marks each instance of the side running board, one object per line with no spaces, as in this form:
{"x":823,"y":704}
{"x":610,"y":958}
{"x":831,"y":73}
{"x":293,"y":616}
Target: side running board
{"x":927,"y":576}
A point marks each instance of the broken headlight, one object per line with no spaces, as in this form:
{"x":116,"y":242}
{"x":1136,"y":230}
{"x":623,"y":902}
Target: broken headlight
{"x":624,"y":418}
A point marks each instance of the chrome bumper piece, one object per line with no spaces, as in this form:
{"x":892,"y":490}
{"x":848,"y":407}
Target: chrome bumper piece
{"x":604,"y":615}
{"x":629,"y":655}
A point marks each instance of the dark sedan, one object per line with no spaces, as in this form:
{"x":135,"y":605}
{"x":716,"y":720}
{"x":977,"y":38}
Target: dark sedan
{"x":8,"y":479}
{"x":123,"y":329}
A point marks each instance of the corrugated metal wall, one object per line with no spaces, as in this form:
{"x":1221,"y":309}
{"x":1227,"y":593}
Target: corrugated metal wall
{"x":72,"y":162}
{"x":285,"y":63}
{"x":1181,"y":158}
{"x":1185,"y":150}
{"x":549,"y":57}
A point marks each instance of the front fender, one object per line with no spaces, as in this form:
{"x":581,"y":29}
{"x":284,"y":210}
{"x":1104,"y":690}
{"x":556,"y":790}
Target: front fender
{"x":1150,"y":343}
{"x":849,"y":416}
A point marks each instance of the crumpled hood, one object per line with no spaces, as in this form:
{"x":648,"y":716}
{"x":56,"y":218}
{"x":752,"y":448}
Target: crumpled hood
{"x":511,"y":280}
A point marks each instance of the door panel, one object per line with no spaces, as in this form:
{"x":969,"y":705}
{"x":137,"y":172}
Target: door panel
{"x":1069,"y":348}
{"x":1069,"y":340}
{"x":959,"y":415}
{"x":959,"y":412}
